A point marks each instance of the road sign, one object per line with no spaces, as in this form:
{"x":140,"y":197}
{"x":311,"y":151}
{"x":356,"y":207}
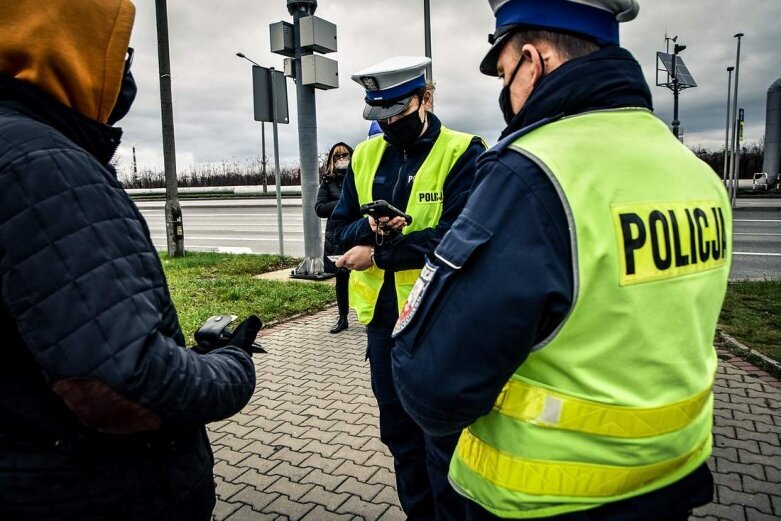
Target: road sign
{"x":740,"y":125}
{"x":261,"y":87}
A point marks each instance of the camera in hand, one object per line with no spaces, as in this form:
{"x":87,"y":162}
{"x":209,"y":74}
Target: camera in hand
{"x":380,"y":208}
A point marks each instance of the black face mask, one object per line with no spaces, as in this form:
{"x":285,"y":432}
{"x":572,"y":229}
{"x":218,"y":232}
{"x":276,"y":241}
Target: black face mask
{"x":404,"y":131}
{"x":505,"y":103}
{"x":127,"y":93}
{"x":504,"y":97}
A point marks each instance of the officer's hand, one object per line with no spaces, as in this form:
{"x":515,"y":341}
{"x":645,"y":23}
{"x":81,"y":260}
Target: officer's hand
{"x":245,"y":334}
{"x":386,"y":224}
{"x":397,"y":223}
{"x":358,"y":258}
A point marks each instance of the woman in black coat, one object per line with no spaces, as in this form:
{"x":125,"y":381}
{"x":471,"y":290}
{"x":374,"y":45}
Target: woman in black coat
{"x":327,"y":197}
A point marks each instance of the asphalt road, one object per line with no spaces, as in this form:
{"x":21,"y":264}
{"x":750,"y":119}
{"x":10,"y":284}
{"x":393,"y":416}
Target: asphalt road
{"x":238,"y":225}
{"x":757,"y":245}
{"x":250,"y":226}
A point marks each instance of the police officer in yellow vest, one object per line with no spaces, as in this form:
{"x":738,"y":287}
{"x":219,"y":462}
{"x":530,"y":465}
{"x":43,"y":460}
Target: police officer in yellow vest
{"x":564,"y":324}
{"x":426,"y":170}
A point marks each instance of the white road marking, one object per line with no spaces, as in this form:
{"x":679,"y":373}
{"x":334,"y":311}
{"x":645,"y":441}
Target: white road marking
{"x":202,"y":238}
{"x":756,"y":254}
{"x":217,"y":214}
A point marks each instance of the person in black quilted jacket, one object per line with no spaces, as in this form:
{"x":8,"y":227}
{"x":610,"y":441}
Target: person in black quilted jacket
{"x":102,"y":409}
{"x":327,"y":197}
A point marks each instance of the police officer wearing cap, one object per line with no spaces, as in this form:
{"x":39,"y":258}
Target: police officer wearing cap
{"x":564,"y":324}
{"x":426,"y":170}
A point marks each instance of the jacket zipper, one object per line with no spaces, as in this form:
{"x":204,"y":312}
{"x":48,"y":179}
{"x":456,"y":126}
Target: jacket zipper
{"x":398,"y":178}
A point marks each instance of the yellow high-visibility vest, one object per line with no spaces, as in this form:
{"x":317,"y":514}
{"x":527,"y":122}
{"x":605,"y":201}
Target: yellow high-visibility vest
{"x":424,"y":205}
{"x":617,"y":402}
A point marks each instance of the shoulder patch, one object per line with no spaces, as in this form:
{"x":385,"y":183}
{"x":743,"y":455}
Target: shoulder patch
{"x":415,"y":297}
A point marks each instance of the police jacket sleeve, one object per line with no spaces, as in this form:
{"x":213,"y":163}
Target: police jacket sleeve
{"x":350,"y":227}
{"x":500,"y":282}
{"x":324,"y":207}
{"x":411,"y":251}
{"x":85,"y":287}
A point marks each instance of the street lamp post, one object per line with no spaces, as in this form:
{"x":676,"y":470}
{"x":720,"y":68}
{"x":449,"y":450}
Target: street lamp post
{"x":262,"y":134}
{"x":726,"y":138}
{"x":734,"y":167}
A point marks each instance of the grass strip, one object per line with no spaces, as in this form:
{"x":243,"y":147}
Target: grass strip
{"x":206,"y":284}
{"x":752,"y":314}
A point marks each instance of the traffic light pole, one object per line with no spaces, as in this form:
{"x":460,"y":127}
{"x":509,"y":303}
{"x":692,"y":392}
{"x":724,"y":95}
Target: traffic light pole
{"x":312,"y":265}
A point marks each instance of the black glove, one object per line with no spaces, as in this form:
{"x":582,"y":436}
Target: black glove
{"x":245,"y":334}
{"x":216,"y":333}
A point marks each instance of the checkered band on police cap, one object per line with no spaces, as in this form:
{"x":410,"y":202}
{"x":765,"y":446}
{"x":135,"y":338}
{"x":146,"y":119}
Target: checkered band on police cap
{"x":391,"y":84}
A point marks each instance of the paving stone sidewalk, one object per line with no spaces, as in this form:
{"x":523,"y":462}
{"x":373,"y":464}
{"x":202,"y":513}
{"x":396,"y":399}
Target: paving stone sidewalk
{"x":307,"y":445}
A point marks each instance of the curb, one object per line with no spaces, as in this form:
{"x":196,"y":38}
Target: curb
{"x":745,"y":352}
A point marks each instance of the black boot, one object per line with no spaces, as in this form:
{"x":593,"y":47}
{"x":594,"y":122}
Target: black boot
{"x":340,"y":325}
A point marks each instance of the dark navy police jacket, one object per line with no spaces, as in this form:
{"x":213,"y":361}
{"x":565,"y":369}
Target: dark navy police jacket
{"x":474,"y":328}
{"x":102,"y":409}
{"x":393,"y":183}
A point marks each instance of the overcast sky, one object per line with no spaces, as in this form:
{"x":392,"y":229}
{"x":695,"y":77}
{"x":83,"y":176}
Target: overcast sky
{"x":212,"y":88}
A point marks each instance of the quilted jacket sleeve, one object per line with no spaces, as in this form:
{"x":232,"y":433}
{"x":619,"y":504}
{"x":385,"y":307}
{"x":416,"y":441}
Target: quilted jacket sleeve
{"x":85,"y":286}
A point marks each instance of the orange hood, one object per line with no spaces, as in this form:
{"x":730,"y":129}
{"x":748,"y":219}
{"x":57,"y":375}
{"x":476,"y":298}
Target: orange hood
{"x":72,"y":49}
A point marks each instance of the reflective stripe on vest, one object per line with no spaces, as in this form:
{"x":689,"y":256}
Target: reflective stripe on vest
{"x":539,"y":477}
{"x":547,"y":408}
{"x":424,"y":205}
{"x":617,"y":401}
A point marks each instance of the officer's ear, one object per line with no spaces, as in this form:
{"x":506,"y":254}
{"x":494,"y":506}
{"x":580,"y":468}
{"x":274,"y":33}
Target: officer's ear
{"x":426,"y":100}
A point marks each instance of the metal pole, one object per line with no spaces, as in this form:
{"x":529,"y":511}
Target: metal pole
{"x":263,"y":150}
{"x":726,"y":138}
{"x":733,"y":165}
{"x":676,"y":123}
{"x":173,"y":211}
{"x":737,"y":174}
{"x":277,"y":174}
{"x":427,"y":23}
{"x":312,"y":265}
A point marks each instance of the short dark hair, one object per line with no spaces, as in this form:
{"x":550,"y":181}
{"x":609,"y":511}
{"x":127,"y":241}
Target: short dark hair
{"x":569,"y":45}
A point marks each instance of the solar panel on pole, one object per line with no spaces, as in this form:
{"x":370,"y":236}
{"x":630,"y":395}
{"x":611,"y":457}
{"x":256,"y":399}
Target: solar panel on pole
{"x":685,"y":78}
